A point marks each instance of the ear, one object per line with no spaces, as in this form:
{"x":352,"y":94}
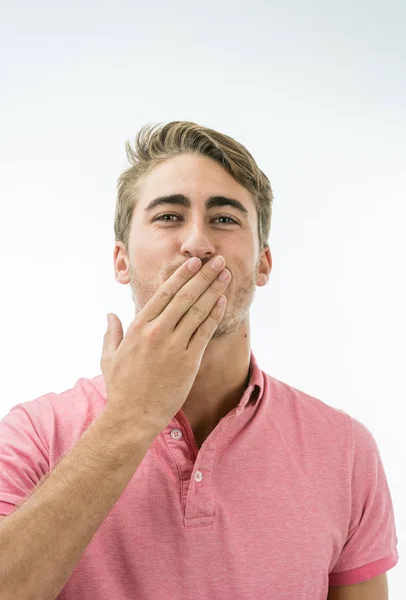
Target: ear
{"x":265,"y":266}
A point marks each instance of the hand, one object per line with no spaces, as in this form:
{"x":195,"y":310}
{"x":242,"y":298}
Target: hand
{"x":150,"y":372}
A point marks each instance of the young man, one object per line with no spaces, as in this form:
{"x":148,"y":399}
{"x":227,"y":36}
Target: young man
{"x":254,"y":488}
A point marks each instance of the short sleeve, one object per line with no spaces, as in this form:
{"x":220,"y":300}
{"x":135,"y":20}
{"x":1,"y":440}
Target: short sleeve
{"x":24,"y":452}
{"x":370,"y":549}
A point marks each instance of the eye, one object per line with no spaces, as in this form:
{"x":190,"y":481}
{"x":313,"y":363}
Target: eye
{"x":160,"y":218}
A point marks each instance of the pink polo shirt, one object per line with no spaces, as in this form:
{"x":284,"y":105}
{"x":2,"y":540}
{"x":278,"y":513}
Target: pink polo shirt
{"x":287,"y":496}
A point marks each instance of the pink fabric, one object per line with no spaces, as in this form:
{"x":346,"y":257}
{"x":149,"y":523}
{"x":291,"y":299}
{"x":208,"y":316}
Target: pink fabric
{"x":286,"y":496}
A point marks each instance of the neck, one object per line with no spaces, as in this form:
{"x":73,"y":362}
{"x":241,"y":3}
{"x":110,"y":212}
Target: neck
{"x":221,"y":381}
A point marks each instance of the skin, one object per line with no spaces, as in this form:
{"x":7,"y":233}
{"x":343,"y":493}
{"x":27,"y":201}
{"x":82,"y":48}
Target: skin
{"x":158,"y":248}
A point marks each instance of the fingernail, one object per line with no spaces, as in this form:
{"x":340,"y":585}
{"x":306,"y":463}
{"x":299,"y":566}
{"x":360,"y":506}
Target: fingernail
{"x":194,"y":264}
{"x":218,"y":263}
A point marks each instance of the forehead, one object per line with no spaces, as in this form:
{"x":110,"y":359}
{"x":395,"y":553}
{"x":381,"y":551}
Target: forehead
{"x":198,"y":177}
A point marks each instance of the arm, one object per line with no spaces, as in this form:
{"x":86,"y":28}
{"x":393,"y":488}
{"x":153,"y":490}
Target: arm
{"x":373,"y":589}
{"x":43,"y":539}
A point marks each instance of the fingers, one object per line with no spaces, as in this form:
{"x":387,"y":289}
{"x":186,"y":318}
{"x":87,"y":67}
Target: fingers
{"x":178,"y":293}
{"x":196,"y":328}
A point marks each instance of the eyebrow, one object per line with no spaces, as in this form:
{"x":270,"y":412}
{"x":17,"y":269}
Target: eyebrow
{"x":213,"y":201}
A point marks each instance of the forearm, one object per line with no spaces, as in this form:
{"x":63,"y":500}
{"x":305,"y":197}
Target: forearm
{"x":43,"y":539}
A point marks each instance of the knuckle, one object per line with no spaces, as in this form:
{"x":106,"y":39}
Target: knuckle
{"x":172,"y":345}
{"x":204,"y":274}
{"x":106,"y":356}
{"x":154,"y":331}
{"x":164,"y":294}
{"x":136,"y":323}
{"x":186,"y":297}
{"x":135,"y":327}
{"x":184,"y":276}
{"x":197,"y":311}
{"x":204,"y":333}
{"x":216,"y":319}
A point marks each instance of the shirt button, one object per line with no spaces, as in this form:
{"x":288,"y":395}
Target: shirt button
{"x":198,"y":476}
{"x":176,"y":434}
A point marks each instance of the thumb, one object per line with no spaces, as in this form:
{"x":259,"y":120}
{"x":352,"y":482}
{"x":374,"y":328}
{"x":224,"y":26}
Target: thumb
{"x":114,"y":333}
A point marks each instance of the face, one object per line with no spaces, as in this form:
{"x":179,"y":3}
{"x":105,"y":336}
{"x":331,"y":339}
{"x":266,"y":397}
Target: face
{"x":166,"y":236}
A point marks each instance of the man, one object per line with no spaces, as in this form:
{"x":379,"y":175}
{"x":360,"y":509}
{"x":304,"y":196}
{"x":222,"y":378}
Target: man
{"x":254,"y":489}
{"x":165,"y":234}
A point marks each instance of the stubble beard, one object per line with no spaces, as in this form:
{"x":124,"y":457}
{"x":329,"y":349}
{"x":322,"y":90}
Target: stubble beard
{"x":237,"y":307}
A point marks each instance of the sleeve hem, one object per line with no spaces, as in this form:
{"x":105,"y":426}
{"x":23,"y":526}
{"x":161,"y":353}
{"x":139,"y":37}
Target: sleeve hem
{"x":365,"y":572}
{"x":8,"y":503}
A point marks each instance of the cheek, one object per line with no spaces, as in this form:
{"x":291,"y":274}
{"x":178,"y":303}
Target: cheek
{"x":241,"y":267}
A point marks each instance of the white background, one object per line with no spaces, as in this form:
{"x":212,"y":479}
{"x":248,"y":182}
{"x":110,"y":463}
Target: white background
{"x":316,"y":91}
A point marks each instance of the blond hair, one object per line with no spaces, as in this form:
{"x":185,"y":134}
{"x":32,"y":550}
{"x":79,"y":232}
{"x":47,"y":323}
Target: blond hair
{"x":156,"y":143}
